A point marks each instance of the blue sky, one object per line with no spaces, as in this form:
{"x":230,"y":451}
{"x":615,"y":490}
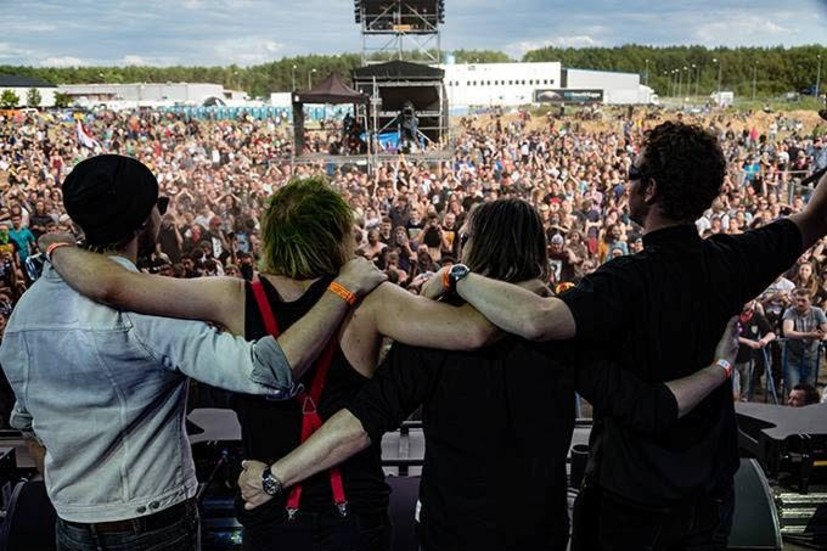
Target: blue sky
{"x":249,"y":32}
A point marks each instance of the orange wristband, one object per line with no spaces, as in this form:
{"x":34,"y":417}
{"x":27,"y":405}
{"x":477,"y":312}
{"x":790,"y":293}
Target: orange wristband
{"x":51,"y":248}
{"x":342,"y":292}
{"x":446,"y":279}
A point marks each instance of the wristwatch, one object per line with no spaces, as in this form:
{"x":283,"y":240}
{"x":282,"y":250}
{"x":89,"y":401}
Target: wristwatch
{"x":270,"y":483}
{"x":457,"y":273}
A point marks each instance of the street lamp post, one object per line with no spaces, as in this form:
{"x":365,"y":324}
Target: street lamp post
{"x":718,"y":61}
{"x":309,"y":78}
{"x":688,"y":91}
{"x":754,"y":78}
{"x":293,"y":74}
{"x":646,"y":75}
{"x":697,"y":77}
{"x":680,"y":81}
{"x":818,"y":78}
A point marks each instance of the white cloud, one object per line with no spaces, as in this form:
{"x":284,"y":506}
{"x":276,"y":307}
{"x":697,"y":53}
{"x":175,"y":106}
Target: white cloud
{"x":64,"y":61}
{"x":740,"y":29}
{"x":133,"y":60}
{"x":517,"y":50}
{"x":246,"y":51}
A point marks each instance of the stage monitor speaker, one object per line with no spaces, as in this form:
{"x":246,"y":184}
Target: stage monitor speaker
{"x":755,"y":523}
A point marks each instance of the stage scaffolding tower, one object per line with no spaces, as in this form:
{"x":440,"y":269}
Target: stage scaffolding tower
{"x":389,"y":25}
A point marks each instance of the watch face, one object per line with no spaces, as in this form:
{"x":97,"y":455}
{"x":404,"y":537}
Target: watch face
{"x":459,"y":271}
{"x":269,"y":484}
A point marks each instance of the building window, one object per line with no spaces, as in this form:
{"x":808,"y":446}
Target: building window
{"x":510,"y":82}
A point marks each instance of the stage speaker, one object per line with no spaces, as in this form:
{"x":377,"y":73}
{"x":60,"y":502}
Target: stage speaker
{"x":755,"y":523}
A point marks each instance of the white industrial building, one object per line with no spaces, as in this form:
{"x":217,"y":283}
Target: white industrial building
{"x":153,"y":94}
{"x":509,"y":84}
{"x":22,"y":85}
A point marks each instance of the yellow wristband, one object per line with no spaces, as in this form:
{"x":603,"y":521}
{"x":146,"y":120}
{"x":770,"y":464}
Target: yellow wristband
{"x":342,"y":292}
{"x":51,"y":248}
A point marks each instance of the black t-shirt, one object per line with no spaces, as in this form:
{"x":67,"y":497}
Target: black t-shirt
{"x":754,"y":329}
{"x":271,"y":429}
{"x":660,"y":314}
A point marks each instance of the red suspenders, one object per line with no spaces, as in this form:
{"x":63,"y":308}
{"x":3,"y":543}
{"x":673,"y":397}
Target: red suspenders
{"x":308,"y":402}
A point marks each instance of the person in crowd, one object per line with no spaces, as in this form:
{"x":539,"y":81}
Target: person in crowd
{"x":756,"y":335}
{"x":806,"y":278}
{"x":104,"y":391}
{"x":658,"y":314}
{"x":805,"y":327}
{"x":307,"y":237}
{"x":801,"y":395}
{"x":497,"y":421}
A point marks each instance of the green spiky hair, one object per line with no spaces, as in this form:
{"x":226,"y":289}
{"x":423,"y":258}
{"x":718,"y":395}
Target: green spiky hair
{"x":306,"y":230}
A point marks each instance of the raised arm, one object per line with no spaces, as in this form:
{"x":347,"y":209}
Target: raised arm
{"x":812,"y":221}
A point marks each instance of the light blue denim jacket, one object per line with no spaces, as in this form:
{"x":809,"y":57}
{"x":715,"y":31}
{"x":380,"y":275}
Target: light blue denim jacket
{"x":105,"y":392}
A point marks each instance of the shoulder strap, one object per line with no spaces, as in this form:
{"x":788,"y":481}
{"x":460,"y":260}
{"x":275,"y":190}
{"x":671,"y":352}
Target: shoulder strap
{"x":267,"y":315}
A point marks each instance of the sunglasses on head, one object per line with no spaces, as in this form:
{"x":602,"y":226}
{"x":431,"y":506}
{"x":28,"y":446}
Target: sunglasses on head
{"x":163,"y":204}
{"x":463,"y":239}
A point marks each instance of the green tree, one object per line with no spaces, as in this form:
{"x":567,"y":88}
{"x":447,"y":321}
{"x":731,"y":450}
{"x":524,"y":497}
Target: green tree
{"x":33,"y":97}
{"x":9,"y":100}
{"x":62,"y":100}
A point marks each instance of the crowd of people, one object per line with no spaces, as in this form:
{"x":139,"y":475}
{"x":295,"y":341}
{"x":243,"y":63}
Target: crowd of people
{"x":218,"y":176}
{"x":651,"y":233}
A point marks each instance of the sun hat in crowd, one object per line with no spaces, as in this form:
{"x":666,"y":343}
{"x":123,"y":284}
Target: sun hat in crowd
{"x":109,"y":196}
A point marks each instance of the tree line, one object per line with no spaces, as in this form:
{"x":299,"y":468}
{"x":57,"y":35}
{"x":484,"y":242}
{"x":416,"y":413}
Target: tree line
{"x":688,"y":70}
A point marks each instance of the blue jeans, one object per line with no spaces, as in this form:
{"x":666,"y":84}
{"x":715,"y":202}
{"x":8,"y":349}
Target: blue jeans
{"x":181,"y":534}
{"x":800,"y":368}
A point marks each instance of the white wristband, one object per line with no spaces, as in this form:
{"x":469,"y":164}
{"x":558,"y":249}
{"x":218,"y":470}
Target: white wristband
{"x":726,"y":366}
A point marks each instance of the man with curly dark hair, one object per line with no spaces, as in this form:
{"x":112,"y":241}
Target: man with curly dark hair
{"x":657,"y":313}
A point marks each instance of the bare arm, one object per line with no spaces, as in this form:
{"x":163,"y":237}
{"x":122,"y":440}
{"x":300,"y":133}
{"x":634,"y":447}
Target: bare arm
{"x":812,"y":221}
{"x":215,"y":299}
{"x":689,"y":391}
{"x":340,"y":438}
{"x":516,"y":310}
{"x":220,"y":300}
{"x":791,"y":333}
{"x":418,"y":321}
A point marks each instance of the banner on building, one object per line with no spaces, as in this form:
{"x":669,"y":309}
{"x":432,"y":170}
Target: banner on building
{"x":568,"y":96}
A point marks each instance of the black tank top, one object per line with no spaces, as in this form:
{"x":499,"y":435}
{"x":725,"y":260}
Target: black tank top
{"x":271,"y":429}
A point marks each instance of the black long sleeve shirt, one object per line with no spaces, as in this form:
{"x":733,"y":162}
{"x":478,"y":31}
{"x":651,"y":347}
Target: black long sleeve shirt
{"x":498,"y":424}
{"x":659,"y":314}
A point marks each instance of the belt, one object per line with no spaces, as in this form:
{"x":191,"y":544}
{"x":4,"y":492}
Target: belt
{"x":155,"y":521}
